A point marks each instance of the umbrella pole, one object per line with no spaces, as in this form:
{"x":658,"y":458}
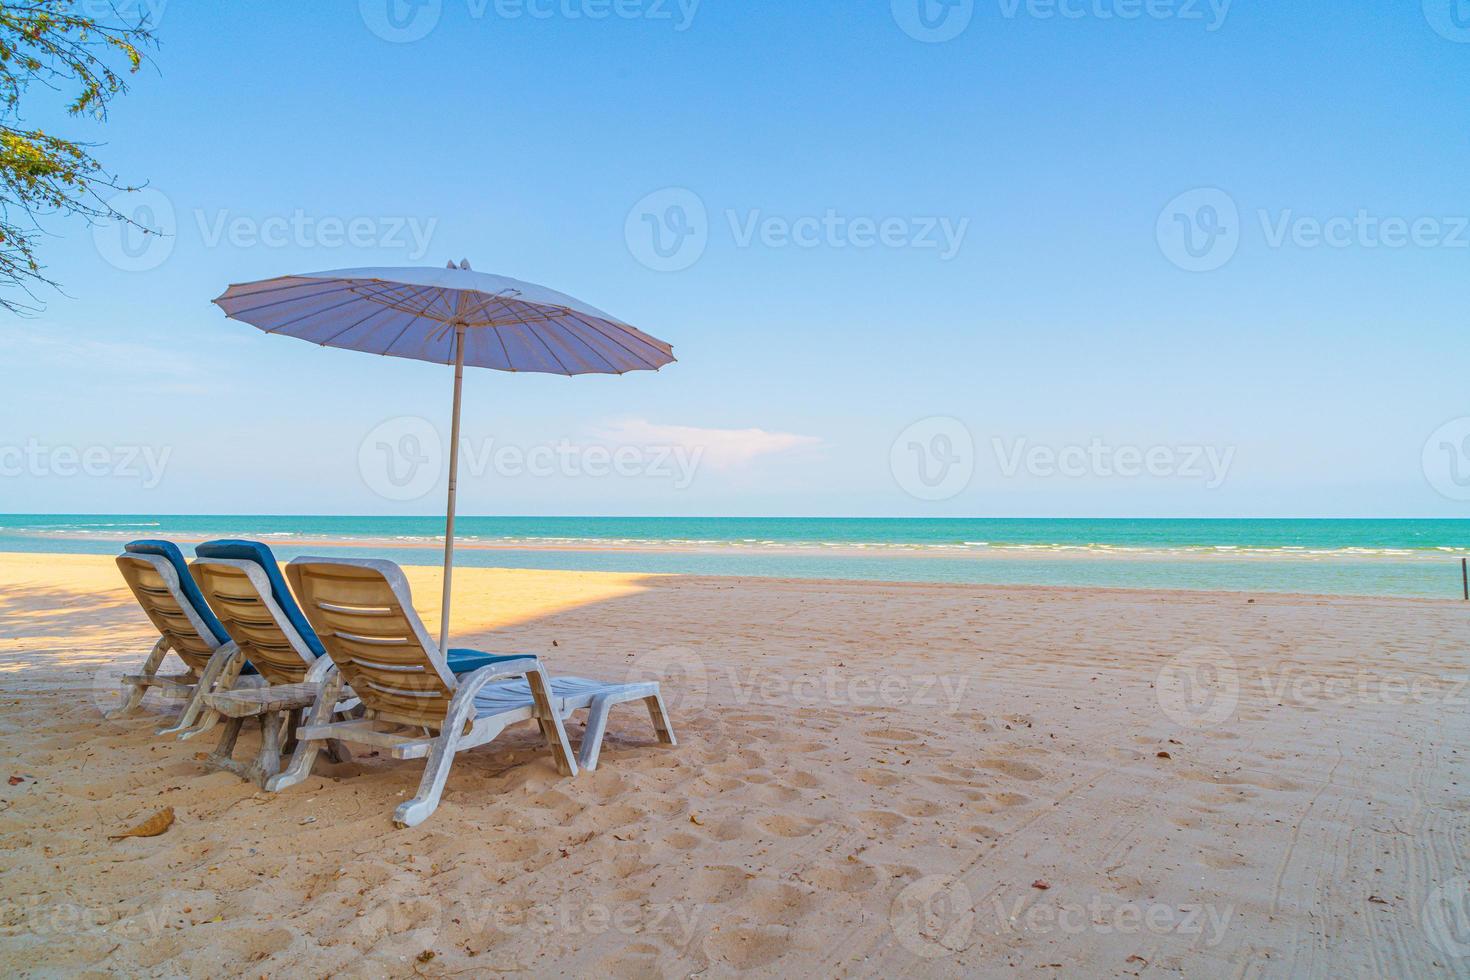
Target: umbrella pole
{"x":453,"y":482}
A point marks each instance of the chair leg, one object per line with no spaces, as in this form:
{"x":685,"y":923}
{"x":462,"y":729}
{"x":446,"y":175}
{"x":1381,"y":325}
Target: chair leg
{"x":592,"y":736}
{"x":268,"y":760}
{"x":431,"y":786}
{"x":225,"y":750}
{"x":660,"y":715}
{"x":304,"y":755}
{"x":220,"y":671}
{"x":552,"y":729}
{"x":288,"y":733}
{"x":132,"y":690}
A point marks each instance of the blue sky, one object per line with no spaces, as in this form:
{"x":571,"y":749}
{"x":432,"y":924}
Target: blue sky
{"x":907,"y":251}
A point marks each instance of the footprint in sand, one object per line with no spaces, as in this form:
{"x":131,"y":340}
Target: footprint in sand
{"x":783,"y":825}
{"x":852,"y":876}
{"x":630,"y":962}
{"x":879,"y":777}
{"x":893,"y":735}
{"x":1014,"y":769}
{"x":781,"y":904}
{"x":746,"y":946}
{"x":718,"y":884}
{"x":884,"y":820}
{"x":804,"y":780}
{"x":921,"y":808}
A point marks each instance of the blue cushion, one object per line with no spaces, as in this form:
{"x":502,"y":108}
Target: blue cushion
{"x":465,"y":661}
{"x":260,"y":554}
{"x":190,"y":588}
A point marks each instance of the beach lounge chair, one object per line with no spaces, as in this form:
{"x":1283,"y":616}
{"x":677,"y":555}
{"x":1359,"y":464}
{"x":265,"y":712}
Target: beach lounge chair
{"x":160,"y":581}
{"x":416,"y":706}
{"x":242,"y":584}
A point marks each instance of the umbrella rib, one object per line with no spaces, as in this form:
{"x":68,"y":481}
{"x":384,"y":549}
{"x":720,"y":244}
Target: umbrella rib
{"x":593,"y":326}
{"x":310,"y":313}
{"x":299,"y":282}
{"x":406,"y":327}
{"x":537,"y":334}
{"x":509,"y":364}
{"x":578,"y":337}
{"x":291,"y":299}
{"x":380,"y":309}
{"x":281,"y":326}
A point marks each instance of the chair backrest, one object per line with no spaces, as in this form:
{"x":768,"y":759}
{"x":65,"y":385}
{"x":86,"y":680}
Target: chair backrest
{"x":258,"y":552}
{"x":159,"y":590}
{"x":363,"y":613}
{"x":239,"y":591}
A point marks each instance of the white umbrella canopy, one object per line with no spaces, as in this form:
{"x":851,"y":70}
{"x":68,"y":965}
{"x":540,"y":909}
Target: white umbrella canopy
{"x":412,"y":312}
{"x":449,"y":316}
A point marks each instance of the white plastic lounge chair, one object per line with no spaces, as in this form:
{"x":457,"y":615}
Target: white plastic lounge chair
{"x":416,"y":706}
{"x":160,"y":581}
{"x":243,"y":586}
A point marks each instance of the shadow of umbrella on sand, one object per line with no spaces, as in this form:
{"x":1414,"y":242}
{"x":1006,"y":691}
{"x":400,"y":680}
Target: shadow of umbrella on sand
{"x":450,"y":316}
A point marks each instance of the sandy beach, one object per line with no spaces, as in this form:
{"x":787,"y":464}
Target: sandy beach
{"x":871,"y":780}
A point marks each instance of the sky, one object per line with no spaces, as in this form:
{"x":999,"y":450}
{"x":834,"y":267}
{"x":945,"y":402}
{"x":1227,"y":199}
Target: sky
{"x":916,"y":258}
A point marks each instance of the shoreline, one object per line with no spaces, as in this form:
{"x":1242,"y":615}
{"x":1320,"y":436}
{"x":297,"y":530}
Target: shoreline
{"x":1262,"y":596}
{"x":835,"y":549}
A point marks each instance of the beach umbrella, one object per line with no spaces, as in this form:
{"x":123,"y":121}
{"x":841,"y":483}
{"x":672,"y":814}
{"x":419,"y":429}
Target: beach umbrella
{"x":449,"y":316}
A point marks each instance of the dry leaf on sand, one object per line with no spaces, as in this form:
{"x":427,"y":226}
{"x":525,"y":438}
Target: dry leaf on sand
{"x":152,"y":827}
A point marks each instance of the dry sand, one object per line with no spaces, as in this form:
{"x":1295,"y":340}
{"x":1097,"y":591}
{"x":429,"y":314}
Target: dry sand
{"x":871,"y":780}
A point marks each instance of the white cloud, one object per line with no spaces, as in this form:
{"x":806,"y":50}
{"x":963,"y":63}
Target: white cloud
{"x":719,"y":448}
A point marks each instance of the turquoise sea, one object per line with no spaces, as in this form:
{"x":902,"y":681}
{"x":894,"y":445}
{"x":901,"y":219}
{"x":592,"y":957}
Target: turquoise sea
{"x":1344,"y":557}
